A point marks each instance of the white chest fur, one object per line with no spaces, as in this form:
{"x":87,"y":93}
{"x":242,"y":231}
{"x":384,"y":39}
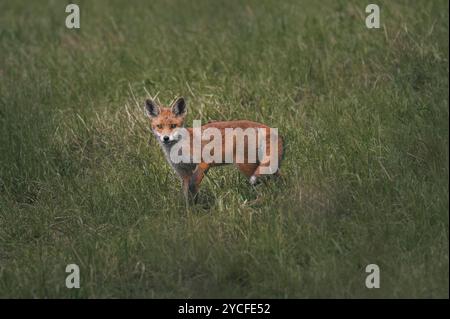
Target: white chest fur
{"x":181,"y":168}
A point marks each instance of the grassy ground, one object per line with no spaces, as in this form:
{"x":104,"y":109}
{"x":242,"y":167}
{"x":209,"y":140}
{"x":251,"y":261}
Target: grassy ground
{"x":364,"y":114}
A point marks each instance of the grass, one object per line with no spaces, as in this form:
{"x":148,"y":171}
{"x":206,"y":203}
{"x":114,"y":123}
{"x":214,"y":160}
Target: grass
{"x":364,"y":114}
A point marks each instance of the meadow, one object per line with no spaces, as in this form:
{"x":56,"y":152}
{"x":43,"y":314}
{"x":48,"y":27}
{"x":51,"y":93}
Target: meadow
{"x":364,"y":114}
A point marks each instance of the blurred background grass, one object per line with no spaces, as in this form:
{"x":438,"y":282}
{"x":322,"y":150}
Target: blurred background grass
{"x":364,"y":114}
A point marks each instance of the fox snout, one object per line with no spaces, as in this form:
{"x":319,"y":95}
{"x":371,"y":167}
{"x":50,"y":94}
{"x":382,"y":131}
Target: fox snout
{"x":168,"y":138}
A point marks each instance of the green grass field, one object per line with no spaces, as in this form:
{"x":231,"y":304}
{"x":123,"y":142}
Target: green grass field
{"x":364,"y":113}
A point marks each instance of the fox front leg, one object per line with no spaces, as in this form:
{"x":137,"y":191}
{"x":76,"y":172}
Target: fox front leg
{"x":185,"y":188}
{"x":196,"y":179}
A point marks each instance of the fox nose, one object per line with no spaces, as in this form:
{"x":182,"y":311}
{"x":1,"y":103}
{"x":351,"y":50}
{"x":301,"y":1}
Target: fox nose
{"x":166,"y":138}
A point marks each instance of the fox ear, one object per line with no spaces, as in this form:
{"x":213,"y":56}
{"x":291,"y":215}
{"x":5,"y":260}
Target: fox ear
{"x":179,"y":107}
{"x":151,"y":108}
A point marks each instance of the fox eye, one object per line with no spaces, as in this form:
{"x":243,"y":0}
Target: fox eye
{"x":173,"y":125}
{"x":159,"y":126}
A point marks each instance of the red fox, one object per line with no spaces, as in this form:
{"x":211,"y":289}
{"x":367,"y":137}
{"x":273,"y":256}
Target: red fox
{"x":239,"y":148}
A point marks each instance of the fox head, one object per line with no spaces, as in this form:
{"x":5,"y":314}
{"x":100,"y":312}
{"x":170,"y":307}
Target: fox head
{"x":166,"y":121}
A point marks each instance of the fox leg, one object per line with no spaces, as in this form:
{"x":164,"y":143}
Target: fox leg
{"x":185,"y":186}
{"x":197,"y":177}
